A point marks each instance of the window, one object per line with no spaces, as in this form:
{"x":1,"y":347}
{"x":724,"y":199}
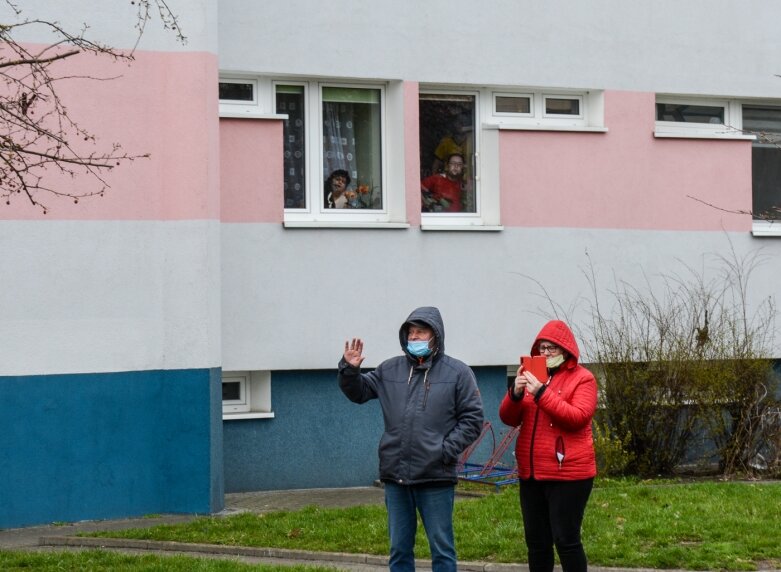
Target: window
{"x":696,"y":118}
{"x":240,"y":91}
{"x":764,"y":122}
{"x":352,"y":144}
{"x":237,"y":91}
{"x":336,"y":152}
{"x":246,"y":395}
{"x":447,"y":153}
{"x":290,"y":100}
{"x":556,"y":106}
{"x":512,"y":105}
{"x":542,"y":110}
{"x":690,"y":113}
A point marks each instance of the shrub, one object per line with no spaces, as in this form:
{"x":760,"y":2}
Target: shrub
{"x":612,"y":456}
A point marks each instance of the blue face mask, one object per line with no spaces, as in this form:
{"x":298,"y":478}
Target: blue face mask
{"x":419,"y":349}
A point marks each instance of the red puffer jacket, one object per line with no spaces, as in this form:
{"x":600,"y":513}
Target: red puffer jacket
{"x":555,"y":441}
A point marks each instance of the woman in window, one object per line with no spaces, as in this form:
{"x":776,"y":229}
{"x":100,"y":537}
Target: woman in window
{"x":443,"y":192}
{"x":336,"y":189}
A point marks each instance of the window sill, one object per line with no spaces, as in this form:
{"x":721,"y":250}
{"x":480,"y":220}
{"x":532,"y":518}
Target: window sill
{"x":766,"y":228}
{"x":537,"y":127}
{"x":345,"y":224}
{"x":425,"y":226}
{"x":248,"y":415}
{"x":251,"y":115}
{"x":722,"y":135}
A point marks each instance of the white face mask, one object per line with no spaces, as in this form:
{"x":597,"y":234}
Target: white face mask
{"x":554,"y":361}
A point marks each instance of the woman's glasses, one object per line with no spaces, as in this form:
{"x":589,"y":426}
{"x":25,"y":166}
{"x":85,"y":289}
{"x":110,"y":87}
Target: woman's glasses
{"x":549,"y":348}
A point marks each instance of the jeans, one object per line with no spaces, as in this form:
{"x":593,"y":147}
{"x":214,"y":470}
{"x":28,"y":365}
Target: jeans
{"x":552,"y":514}
{"x":435,"y":505}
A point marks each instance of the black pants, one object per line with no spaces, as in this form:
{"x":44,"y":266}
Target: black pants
{"x":552,"y":515}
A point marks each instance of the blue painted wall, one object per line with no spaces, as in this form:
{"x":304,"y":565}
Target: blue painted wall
{"x":97,"y":446}
{"x":320,"y":439}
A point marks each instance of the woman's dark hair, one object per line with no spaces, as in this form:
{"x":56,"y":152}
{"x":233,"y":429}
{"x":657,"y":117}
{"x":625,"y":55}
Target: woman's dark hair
{"x":337,"y":173}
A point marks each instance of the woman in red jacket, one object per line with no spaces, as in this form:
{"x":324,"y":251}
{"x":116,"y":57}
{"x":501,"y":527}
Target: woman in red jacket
{"x":555,"y":448}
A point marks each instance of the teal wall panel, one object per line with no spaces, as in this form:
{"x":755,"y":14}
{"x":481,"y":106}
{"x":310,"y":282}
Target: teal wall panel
{"x":109,"y":445}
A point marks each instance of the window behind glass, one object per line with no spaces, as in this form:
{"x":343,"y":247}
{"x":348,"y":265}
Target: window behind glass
{"x":290,"y":100}
{"x":765,"y":123}
{"x":685,"y":113}
{"x":447,"y":125}
{"x":352,"y":142}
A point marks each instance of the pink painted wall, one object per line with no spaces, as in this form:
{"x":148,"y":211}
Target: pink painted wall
{"x":625,"y":178}
{"x":251,"y":163}
{"x":412,"y":152}
{"x":164,"y":104}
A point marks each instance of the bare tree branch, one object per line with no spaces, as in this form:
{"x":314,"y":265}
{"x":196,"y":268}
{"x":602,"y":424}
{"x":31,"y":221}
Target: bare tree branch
{"x":39,"y":140}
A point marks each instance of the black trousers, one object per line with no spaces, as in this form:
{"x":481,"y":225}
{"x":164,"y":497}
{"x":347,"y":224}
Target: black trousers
{"x":552,"y":515}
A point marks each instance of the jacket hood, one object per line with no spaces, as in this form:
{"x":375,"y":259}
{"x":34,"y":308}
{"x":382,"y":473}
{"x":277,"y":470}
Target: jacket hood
{"x":559,"y":333}
{"x":430,"y":316}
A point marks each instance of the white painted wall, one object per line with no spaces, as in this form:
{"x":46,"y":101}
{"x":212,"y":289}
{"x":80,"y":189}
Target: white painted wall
{"x":83,"y":296}
{"x":716,"y":47}
{"x":113,"y":23}
{"x":292,"y":297}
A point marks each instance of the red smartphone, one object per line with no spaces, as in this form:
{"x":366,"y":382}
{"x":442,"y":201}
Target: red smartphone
{"x":536,"y":365}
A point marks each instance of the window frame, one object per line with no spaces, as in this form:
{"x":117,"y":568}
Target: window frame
{"x":497,"y":94}
{"x":256,"y":395}
{"x":681,"y":129}
{"x":590,"y":119}
{"x":392,"y":214}
{"x":581,"y":106}
{"x":486,"y":215}
{"x":760,"y":227}
{"x":240,"y":81}
{"x":242,"y":404}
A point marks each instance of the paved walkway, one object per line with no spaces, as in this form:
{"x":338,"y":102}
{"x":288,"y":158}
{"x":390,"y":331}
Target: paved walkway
{"x":63,"y":537}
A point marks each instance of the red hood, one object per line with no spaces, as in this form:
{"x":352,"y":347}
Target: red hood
{"x":559,"y":333}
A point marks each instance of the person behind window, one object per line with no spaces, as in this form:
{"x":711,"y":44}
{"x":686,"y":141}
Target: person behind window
{"x":455,"y":142}
{"x":432,"y":411}
{"x":443,"y":192}
{"x":554,"y":449}
{"x":336,"y":194}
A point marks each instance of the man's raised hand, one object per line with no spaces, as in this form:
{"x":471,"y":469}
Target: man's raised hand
{"x":353,"y":351}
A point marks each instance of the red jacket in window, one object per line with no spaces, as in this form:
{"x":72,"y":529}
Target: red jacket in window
{"x":555,"y":441}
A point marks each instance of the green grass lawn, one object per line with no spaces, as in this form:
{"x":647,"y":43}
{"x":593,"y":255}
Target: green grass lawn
{"x":100,"y":560}
{"x":697,"y":526}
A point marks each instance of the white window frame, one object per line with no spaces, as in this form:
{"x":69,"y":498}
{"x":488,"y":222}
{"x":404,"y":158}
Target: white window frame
{"x":590,"y":120}
{"x":486,"y":150}
{"x":228,"y":103}
{"x":758,"y":227}
{"x":393,"y":212}
{"x":237,"y":109}
{"x":255,"y":395}
{"x":680,"y":129}
{"x":240,"y":405}
{"x":578,"y":98}
{"x":529,"y":96}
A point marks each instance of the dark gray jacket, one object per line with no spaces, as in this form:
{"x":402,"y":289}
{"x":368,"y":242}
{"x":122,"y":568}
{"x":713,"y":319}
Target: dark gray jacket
{"x":431,"y":407}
